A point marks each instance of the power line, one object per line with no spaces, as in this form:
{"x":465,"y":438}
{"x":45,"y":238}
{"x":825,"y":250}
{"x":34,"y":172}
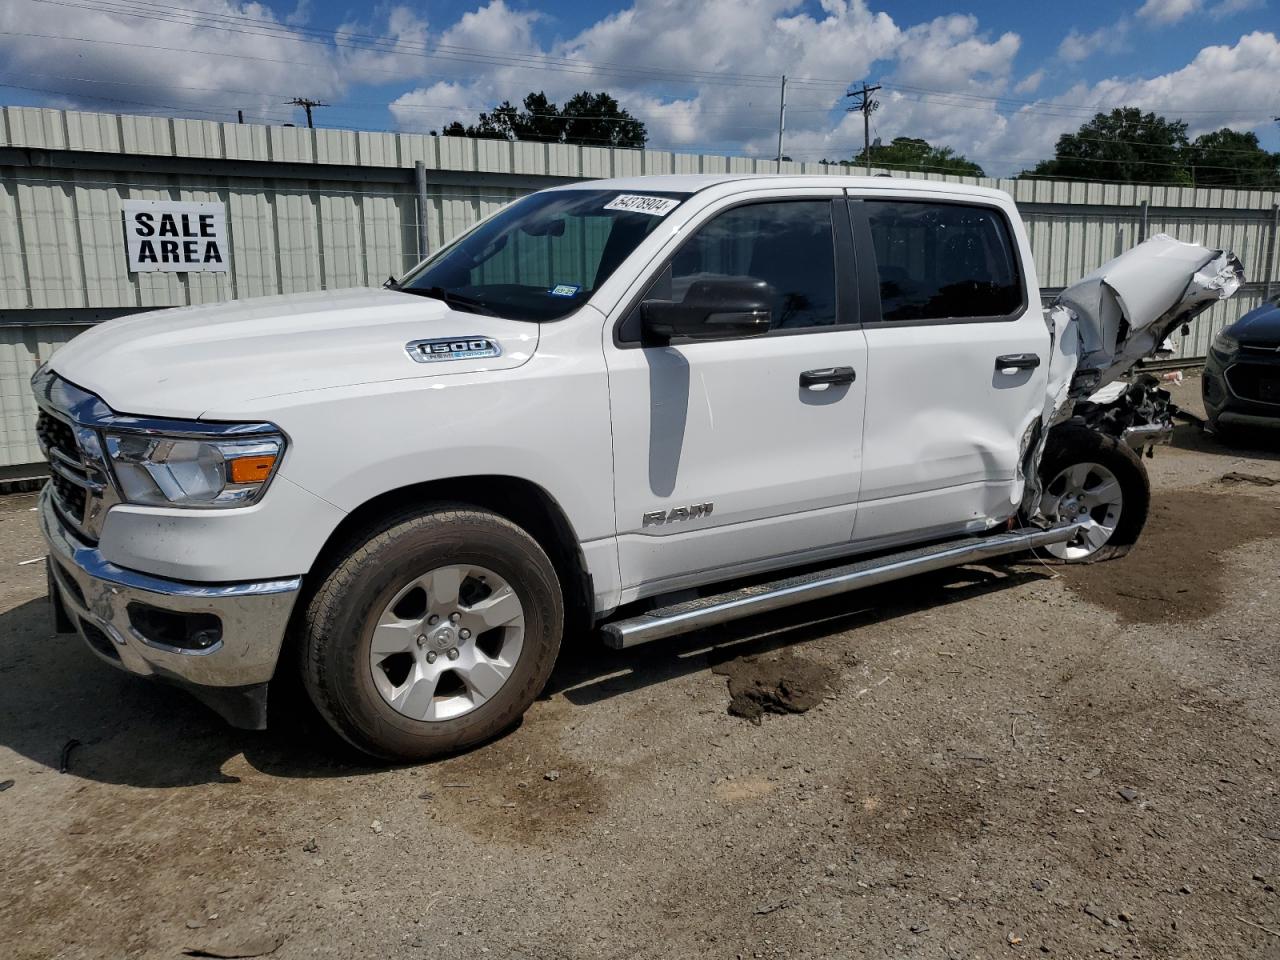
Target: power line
{"x":866,"y":106}
{"x":307,"y":106}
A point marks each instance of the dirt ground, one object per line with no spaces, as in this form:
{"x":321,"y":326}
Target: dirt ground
{"x":1003,"y":760}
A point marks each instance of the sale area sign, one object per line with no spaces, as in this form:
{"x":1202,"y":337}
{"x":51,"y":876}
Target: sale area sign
{"x":175,"y":237}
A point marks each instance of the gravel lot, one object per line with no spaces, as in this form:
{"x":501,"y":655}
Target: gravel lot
{"x":1005,"y":760}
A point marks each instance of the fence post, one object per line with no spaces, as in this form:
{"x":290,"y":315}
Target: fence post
{"x":420,"y":183}
{"x":1271,"y":249}
{"x":1142,"y":227}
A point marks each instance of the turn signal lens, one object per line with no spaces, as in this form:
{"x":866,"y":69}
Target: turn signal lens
{"x":250,"y":469}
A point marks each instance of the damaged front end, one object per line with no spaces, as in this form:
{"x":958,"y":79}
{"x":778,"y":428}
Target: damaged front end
{"x":1104,"y":324}
{"x":1138,"y":412}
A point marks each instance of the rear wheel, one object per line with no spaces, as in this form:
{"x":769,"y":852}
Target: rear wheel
{"x":1092,"y":478}
{"x":435,"y":632}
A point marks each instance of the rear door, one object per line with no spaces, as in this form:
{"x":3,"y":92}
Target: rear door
{"x":957,"y":365}
{"x":739,"y":452}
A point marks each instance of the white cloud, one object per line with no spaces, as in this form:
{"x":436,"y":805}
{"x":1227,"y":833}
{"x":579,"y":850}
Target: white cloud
{"x":1223,"y":85}
{"x":1030,"y":83}
{"x":400,"y":59}
{"x":149,"y":65}
{"x":1229,"y":8}
{"x":700,"y":73}
{"x":1077,"y":46}
{"x":1165,"y":12}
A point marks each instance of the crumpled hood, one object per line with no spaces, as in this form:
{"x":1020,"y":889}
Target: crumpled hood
{"x":183,"y":362}
{"x":1105,"y":322}
{"x":1126,"y":308}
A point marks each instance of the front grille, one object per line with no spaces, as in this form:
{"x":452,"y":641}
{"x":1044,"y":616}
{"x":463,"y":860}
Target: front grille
{"x":68,"y":474}
{"x":71,"y":497}
{"x":1255,"y":381}
{"x":1261,"y":346}
{"x":53,"y":435}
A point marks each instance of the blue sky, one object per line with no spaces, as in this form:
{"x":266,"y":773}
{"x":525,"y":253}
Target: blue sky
{"x":998,"y":81}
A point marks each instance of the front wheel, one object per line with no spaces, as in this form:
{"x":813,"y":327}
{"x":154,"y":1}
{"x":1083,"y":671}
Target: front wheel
{"x":1091,"y":477}
{"x":435,"y":632}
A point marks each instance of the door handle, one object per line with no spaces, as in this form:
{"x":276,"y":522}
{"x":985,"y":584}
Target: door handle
{"x":814,"y":378}
{"x":1017,"y":361}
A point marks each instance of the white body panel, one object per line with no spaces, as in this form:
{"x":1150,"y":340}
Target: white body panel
{"x":727,"y":423}
{"x":926,"y":439}
{"x":945,"y":426}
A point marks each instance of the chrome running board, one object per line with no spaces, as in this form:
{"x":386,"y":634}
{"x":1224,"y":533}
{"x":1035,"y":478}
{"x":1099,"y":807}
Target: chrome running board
{"x":748,"y":601}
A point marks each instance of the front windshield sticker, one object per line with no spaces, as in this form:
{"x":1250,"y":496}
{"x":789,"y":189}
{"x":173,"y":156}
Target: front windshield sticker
{"x":565,"y":290}
{"x":635,"y":203}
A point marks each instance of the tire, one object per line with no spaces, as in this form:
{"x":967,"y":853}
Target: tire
{"x":1224,"y":434}
{"x":383,"y":700}
{"x":1089,"y":456}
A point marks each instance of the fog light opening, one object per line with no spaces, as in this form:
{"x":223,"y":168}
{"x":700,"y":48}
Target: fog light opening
{"x":196,"y":632}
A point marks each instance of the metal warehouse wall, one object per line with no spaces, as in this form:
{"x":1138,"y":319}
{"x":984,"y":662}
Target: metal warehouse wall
{"x":315,"y":209}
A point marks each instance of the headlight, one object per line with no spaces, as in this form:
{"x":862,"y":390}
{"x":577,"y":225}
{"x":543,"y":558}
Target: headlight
{"x":191,"y":471}
{"x":1225,"y":344}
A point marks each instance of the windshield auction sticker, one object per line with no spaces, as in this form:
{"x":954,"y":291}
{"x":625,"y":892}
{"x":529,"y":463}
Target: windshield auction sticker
{"x":635,"y":203}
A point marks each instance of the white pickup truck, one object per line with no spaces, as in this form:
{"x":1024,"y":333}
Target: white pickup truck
{"x":632,"y":405}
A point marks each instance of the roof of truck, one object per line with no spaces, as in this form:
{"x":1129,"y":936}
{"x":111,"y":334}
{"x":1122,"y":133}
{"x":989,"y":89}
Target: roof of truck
{"x":694,"y":182}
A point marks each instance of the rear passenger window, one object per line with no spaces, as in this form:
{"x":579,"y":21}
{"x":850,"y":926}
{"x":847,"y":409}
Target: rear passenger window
{"x":943,"y":261}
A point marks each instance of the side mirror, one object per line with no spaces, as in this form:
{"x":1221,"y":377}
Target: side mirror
{"x":715,"y":308}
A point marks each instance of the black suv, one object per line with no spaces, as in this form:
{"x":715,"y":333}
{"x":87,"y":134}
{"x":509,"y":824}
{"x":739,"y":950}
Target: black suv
{"x":1241,"y":384}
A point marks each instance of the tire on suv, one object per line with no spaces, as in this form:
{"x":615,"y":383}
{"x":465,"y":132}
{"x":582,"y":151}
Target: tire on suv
{"x":1090,"y":476}
{"x":433,"y":632}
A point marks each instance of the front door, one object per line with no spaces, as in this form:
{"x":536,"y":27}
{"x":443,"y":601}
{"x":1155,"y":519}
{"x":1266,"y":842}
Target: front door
{"x":734,"y":454}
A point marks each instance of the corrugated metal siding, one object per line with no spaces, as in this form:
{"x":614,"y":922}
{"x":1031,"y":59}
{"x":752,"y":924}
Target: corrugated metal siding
{"x":22,"y":350}
{"x":62,"y":243}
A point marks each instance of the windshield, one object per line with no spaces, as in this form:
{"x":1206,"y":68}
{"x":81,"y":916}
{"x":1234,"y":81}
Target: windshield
{"x":544,"y":255}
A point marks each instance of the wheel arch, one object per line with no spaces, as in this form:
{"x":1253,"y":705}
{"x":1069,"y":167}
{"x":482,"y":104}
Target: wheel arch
{"x":523,"y":502}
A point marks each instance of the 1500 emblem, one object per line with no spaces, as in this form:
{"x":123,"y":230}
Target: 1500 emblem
{"x":656,"y":518}
{"x":454,"y":348}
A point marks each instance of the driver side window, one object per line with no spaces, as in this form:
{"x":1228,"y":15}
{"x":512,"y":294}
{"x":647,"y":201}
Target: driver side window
{"x":788,"y":244}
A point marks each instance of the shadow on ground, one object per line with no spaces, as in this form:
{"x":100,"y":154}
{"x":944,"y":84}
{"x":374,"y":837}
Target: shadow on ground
{"x":1254,"y":444}
{"x":147,"y":734}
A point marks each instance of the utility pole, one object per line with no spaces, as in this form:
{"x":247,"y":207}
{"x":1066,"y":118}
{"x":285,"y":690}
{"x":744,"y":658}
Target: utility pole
{"x":867,"y":106}
{"x":782,"y":119}
{"x":306,"y":105}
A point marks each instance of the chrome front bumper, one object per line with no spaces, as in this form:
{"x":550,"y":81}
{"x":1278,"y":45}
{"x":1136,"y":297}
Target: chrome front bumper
{"x":229,"y":674}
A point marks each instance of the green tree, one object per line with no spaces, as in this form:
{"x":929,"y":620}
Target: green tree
{"x":912,"y":153}
{"x":1124,"y":145}
{"x":1228,"y":158}
{"x":591,"y":119}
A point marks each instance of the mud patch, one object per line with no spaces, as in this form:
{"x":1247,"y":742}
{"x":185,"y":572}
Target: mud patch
{"x":1255,"y":478}
{"x":907,"y":807}
{"x":520,"y":789}
{"x":777,"y":683}
{"x":1177,"y":570}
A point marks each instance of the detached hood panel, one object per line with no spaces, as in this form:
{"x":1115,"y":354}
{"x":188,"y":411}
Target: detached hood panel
{"x":1127,"y":307}
{"x":184,"y":362}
